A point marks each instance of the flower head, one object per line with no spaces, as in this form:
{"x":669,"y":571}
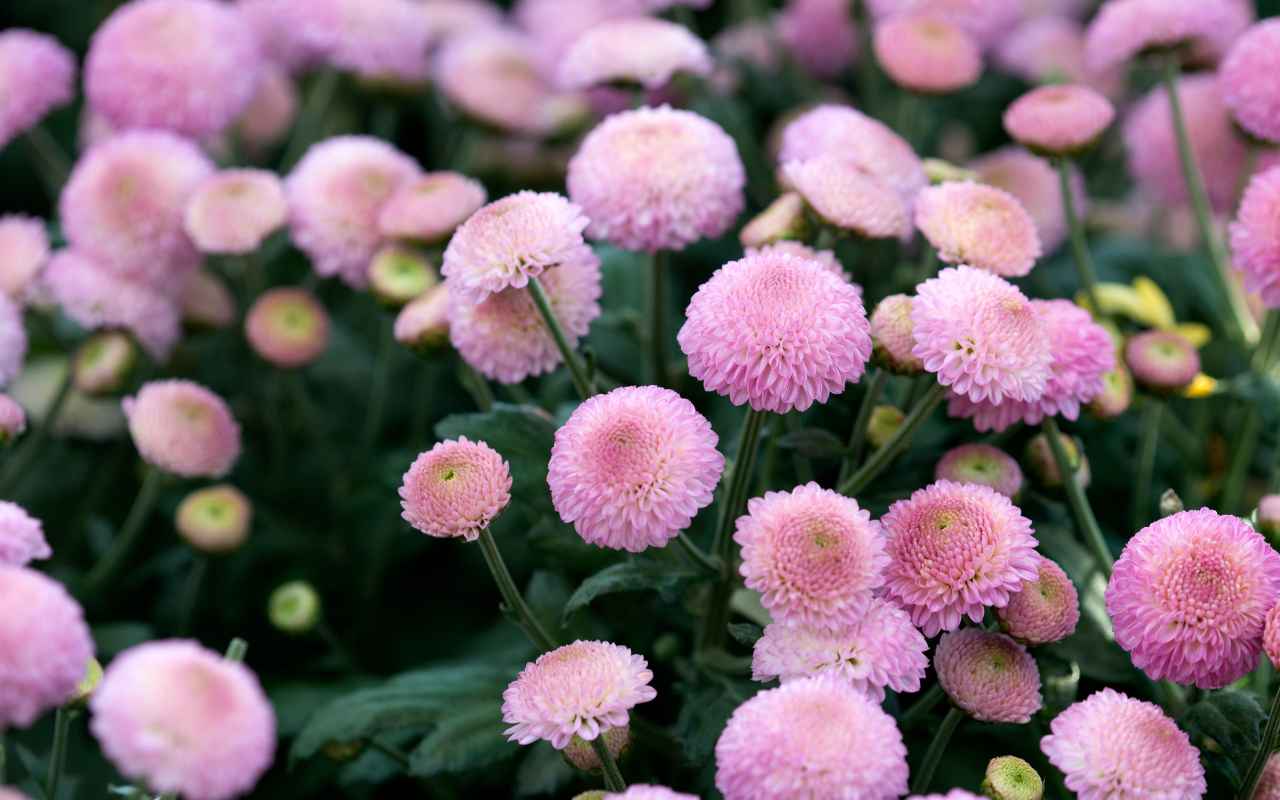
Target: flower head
{"x":1271,"y":635}
{"x":234,"y":210}
{"x":37,"y":74}
{"x":271,"y":112}
{"x":1255,"y":238}
{"x":206,"y":301}
{"x":1012,"y":778}
{"x":657,"y":179}
{"x":979,"y":225}
{"x":181,"y":427}
{"x":814,"y":555}
{"x":335,"y":194}
{"x":423,"y":323}
{"x":287,"y":327}
{"x":24,"y":251}
{"x":891,"y":334}
{"x":1113,"y":747}
{"x":13,"y":340}
{"x":819,"y":34}
{"x":631,"y":468}
{"x":1046,"y":609}
{"x":644,"y":791}
{"x":1163,"y":361}
{"x":826,"y":258}
{"x":1253,"y":99}
{"x":637,"y":50}
{"x":777,"y":332}
{"x":1034,"y":182}
{"x":429,"y":209}
{"x":816,"y":737}
{"x":215,"y":519}
{"x":981,"y":464}
{"x":782,"y":221}
{"x":1116,"y":394}
{"x":580,"y":689}
{"x":980,"y":336}
{"x":494,"y":76}
{"x":187,"y":66}
{"x":44,"y":645}
{"x":184,"y":720}
{"x":13,"y":419}
{"x":1059,"y":120}
{"x":385,"y":41}
{"x":21,"y":536}
{"x":988,"y":675}
{"x":927,"y":53}
{"x":456,"y":488}
{"x":103,"y":363}
{"x":1189,"y":595}
{"x":881,"y":649}
{"x":1124,"y":29}
{"x":955,"y":549}
{"x":1269,"y":783}
{"x":844,"y":194}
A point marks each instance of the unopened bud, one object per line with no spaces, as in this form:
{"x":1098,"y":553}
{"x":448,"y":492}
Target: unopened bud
{"x":423,"y":324}
{"x":87,"y":685}
{"x":1116,"y":395}
{"x":1267,"y":518}
{"x":885,"y":421}
{"x":1162,"y":361}
{"x":1170,"y":503}
{"x":783,"y":219}
{"x":207,"y":302}
{"x":582,"y":754}
{"x":13,"y":419}
{"x":399,"y":273}
{"x":216,"y":519}
{"x":1042,"y":465}
{"x":294,"y":607}
{"x":939,"y":171}
{"x":104,"y":363}
{"x":1011,"y":778}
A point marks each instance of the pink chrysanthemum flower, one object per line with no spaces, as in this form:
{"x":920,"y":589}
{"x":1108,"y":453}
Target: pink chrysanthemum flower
{"x":814,"y":555}
{"x":777,"y":332}
{"x":21,"y":536}
{"x":511,"y":240}
{"x":1271,"y":635}
{"x":505,"y":338}
{"x":386,"y":40}
{"x":1124,"y":29}
{"x":580,"y":689}
{"x":187,"y":66}
{"x":1113,"y":747}
{"x":423,"y":323}
{"x":1243,"y":76}
{"x":44,"y":645}
{"x":234,"y":210}
{"x":1255,"y":237}
{"x":1083,"y":353}
{"x":215,"y":519}
{"x":1152,"y":148}
{"x":657,"y":179}
{"x":646,"y":791}
{"x":1034,"y":182}
{"x":1058,"y":120}
{"x":1188,"y":597}
{"x":296,"y":34}
{"x":989,"y":676}
{"x":98,"y":299}
{"x":985,"y":20}
{"x":449,"y":18}
{"x":826,"y":258}
{"x":13,"y":419}
{"x":13,"y":340}
{"x":981,"y":336}
{"x":1045,"y":609}
{"x":981,"y":464}
{"x":287,"y":327}
{"x":206,"y":301}
{"x":335,"y":194}
{"x":955,"y":549}
{"x":1269,"y":783}
{"x":1044,"y":49}
{"x":926,"y":53}
{"x":819,"y":34}
{"x":24,"y":251}
{"x":783,"y":220}
{"x":979,"y":225}
{"x":631,"y":468}
{"x":184,"y":720}
{"x":494,"y":76}
{"x":183,"y":428}
{"x":638,"y":50}
{"x":816,"y":737}
{"x":1162,"y":361}
{"x":881,"y":649}
{"x":430,"y":208}
{"x":954,"y":794}
{"x":270,"y":113}
{"x":891,"y":334}
{"x":37,"y":74}
{"x":847,"y":196}
{"x":456,"y":489}
{"x":124,"y":202}
{"x":1267,"y":516}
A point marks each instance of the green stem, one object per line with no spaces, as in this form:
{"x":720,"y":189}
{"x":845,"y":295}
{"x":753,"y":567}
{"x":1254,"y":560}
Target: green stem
{"x":1265,"y":353}
{"x":16,"y":469}
{"x":928,"y":264}
{"x":885,"y":455}
{"x":50,"y":159}
{"x":696,"y":554}
{"x":1242,"y":458}
{"x":236,"y":650}
{"x":657,"y":317}
{"x":305,"y":130}
{"x":613,"y":780}
{"x":1239,"y":322}
{"x":58,"y":755}
{"x":378,"y":385}
{"x":1079,"y":502}
{"x":475,"y":385}
{"x":511,"y":594}
{"x":924,"y":775}
{"x":576,"y":370}
{"x":194,"y":579}
{"x":129,"y":533}
{"x":1270,"y":741}
{"x":1148,"y":440}
{"x":1079,"y":248}
{"x":921,"y":707}
{"x":858,"y":438}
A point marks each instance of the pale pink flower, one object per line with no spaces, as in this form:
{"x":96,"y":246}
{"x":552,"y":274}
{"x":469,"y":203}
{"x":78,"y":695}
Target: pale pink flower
{"x":13,"y":340}
{"x":1034,"y":181}
{"x":1124,"y":29}
{"x":819,"y":34}
{"x":982,"y":464}
{"x":645,"y":791}
{"x":985,"y":20}
{"x":891,"y":335}
{"x":494,"y":76}
{"x":1269,"y":783}
{"x":24,"y":251}
{"x":45,"y":646}
{"x":455,"y":489}
{"x":37,"y":75}
{"x":206,"y":301}
{"x":1243,"y":76}
{"x":1044,"y":610}
{"x":989,"y":676}
{"x":423,"y":323}
{"x":431,"y":207}
{"x":1271,"y":635}
{"x":1059,"y":120}
{"x":979,"y":225}
{"x":638,"y":50}
{"x":235,"y":210}
{"x":21,"y":536}
{"x":926,"y":53}
{"x":183,"y":428}
{"x":380,"y":40}
{"x":271,"y":112}
{"x":288,"y":327}
{"x":1255,"y":237}
{"x":790,"y":247}
{"x":847,"y":196}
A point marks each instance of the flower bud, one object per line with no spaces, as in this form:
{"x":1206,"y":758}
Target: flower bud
{"x":1011,"y":778}
{"x":13,"y":420}
{"x":207,"y":303}
{"x":294,"y":607}
{"x":982,"y":464}
{"x":939,"y":171}
{"x":288,"y":327}
{"x":1267,"y":518}
{"x":892,"y":336}
{"x":581,"y":754}
{"x":1041,"y":464}
{"x":1170,"y":503}
{"x":1162,"y":361}
{"x":399,"y":273}
{"x":104,"y":363}
{"x":783,"y":219}
{"x":423,"y":324}
{"x":1116,"y":395}
{"x":594,"y":794}
{"x":215,"y":520}
{"x":87,"y":686}
{"x":885,"y":421}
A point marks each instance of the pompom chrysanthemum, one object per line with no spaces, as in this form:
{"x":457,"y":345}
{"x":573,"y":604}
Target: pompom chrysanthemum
{"x":1255,"y":237}
{"x":1271,"y":635}
{"x":423,"y":323}
{"x":982,"y":464}
{"x":580,"y":689}
{"x":1124,"y":29}
{"x":635,"y":50}
{"x":505,"y":338}
{"x":1188,"y":597}
{"x":335,"y":194}
{"x":955,"y":549}
{"x":13,"y":419}
{"x":1034,"y":182}
{"x":645,"y":791}
{"x":657,"y":179}
{"x":44,"y":645}
{"x":1045,"y":609}
{"x":494,"y":75}
{"x":1163,"y":361}
{"x":777,"y":332}
{"x":1269,"y":783}
{"x":1058,"y":120}
{"x":989,"y":676}
{"x":631,"y":468}
{"x":24,"y":251}
{"x":1244,"y":78}
{"x":215,"y":519}
{"x":234,"y":210}
{"x":13,"y":340}
{"x":187,"y":66}
{"x":287,"y":327}
{"x":954,"y":794}
{"x":455,"y":489}
{"x":819,"y":34}
{"x":184,"y":720}
{"x":430,"y":208}
{"x":979,"y":225}
{"x":814,"y":555}
{"x":926,"y":53}
{"x":183,"y":428}
{"x":37,"y":74}
{"x":782,"y":221}
{"x":892,"y":337}
{"x":1113,"y":747}
{"x":985,"y":20}
{"x":383,"y":41}
{"x":980,"y":336}
{"x":881,"y":649}
{"x":271,"y":112}
{"x":21,"y":536}
{"x":826,"y":258}
{"x":847,"y":196}
{"x":816,"y":737}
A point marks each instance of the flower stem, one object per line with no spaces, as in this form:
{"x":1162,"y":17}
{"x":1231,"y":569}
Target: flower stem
{"x":885,"y":455}
{"x":1270,"y":741}
{"x":579,"y":373}
{"x":1148,"y":441}
{"x":199,"y":566}
{"x":16,"y":469}
{"x":129,"y":533}
{"x":1239,"y":321}
{"x":858,"y":437}
{"x":924,"y":775}
{"x":50,"y":160}
{"x":475,"y":385}
{"x":58,"y":755}
{"x":1085,"y":520}
{"x":921,"y":707}
{"x":613,"y":780}
{"x":378,"y":385}
{"x":511,"y":594}
{"x":1241,"y":460}
{"x":1079,"y":248}
{"x":657,"y":317}
{"x":236,"y":650}
{"x":697,"y":555}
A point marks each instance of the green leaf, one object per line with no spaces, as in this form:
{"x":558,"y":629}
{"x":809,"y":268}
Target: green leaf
{"x":702,"y":719}
{"x":1227,"y":727}
{"x":745,"y":633}
{"x":466,"y":739}
{"x":813,"y":443}
{"x":542,"y":771}
{"x":523,"y":435}
{"x":629,"y":576}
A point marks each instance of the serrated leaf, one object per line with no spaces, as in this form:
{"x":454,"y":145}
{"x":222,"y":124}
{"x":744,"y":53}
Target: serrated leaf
{"x":464,"y":740}
{"x":813,"y":443}
{"x":629,"y":576}
{"x":523,"y":435}
{"x":1227,"y":727}
{"x":745,"y":633}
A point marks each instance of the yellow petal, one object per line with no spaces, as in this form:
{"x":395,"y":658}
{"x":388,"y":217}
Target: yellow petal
{"x":1201,"y":386}
{"x":1115,"y":298}
{"x":1194,"y":332}
{"x":1153,"y":305}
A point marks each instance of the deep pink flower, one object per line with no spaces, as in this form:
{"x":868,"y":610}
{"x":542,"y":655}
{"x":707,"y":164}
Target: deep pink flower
{"x":183,"y":428}
{"x":37,"y":74}
{"x":982,"y":464}
{"x":989,"y":676}
{"x":1058,"y":120}
{"x":636,"y":50}
{"x":1045,"y":609}
{"x":1255,"y":236}
{"x":979,"y":225}
{"x":456,"y":489}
